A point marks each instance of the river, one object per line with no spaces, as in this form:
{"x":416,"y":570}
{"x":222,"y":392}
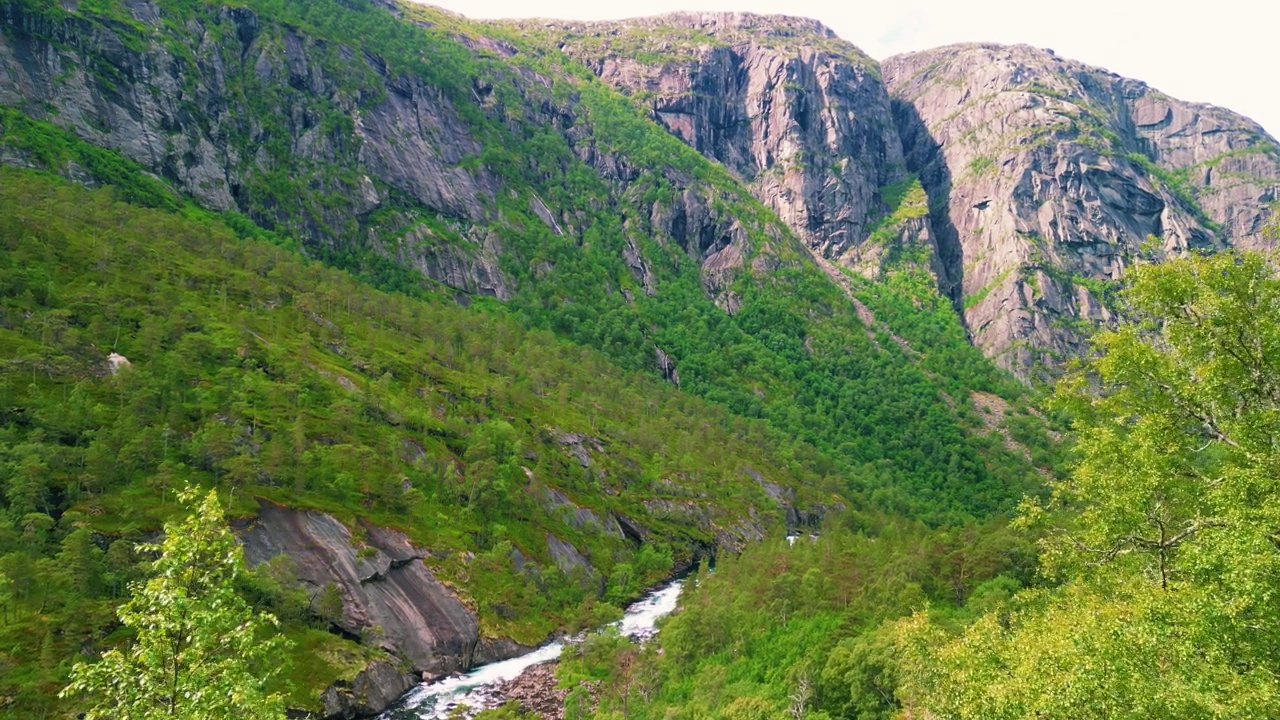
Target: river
{"x":478,"y":688}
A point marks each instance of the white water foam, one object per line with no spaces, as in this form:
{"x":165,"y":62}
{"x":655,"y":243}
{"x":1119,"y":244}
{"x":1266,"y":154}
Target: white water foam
{"x":477,"y":689}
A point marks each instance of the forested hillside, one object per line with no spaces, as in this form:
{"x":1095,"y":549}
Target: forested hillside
{"x":470,"y":347}
{"x":525,"y":179}
{"x":250,"y":370}
{"x":1144,"y":588}
{"x":239,"y":365}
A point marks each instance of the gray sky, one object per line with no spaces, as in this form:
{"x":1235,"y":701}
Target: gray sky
{"x":1225,"y":52}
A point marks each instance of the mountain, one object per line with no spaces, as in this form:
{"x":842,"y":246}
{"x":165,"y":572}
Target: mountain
{"x":500,"y":168}
{"x":482,"y":327}
{"x":474,"y":349}
{"x":1055,"y":173}
{"x":1043,"y":176}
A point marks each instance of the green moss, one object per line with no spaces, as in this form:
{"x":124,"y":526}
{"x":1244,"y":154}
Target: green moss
{"x":971,"y":301}
{"x":317,"y":660}
{"x":981,"y":165}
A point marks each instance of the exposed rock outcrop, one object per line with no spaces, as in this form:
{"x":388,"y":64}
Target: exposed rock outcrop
{"x":794,"y":111}
{"x":568,"y":558}
{"x":468,"y":267}
{"x":389,"y":596}
{"x":785,"y":497}
{"x":372,"y":690}
{"x":581,"y":446}
{"x":578,"y":517}
{"x":1046,"y":176}
{"x":117,"y":362}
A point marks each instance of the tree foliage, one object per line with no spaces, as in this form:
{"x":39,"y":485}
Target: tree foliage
{"x":1165,"y":534}
{"x":797,"y":630}
{"x":200,"y":651}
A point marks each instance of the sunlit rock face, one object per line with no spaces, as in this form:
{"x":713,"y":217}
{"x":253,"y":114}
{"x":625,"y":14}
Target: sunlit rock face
{"x":797,"y":113}
{"x":1047,"y":176}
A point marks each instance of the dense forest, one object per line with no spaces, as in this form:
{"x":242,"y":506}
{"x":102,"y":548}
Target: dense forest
{"x":1143,"y":588}
{"x":451,"y":286}
{"x":272,"y":378}
{"x":245,"y":368}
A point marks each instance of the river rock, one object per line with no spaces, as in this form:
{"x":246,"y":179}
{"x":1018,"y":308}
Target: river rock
{"x":373,"y":689}
{"x":490,"y":650}
{"x":535,"y":689}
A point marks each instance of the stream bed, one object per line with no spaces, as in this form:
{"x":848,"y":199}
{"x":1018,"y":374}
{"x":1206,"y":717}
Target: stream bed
{"x":480,"y":688}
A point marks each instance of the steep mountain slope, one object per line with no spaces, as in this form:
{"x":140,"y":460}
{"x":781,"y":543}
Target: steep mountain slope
{"x":1044,"y":175}
{"x":405,"y":142}
{"x":1048,"y":175}
{"x":466,"y":482}
{"x":448,"y":470}
{"x":795,"y":112}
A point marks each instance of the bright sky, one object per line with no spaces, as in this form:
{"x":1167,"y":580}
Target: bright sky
{"x":1225,"y":52}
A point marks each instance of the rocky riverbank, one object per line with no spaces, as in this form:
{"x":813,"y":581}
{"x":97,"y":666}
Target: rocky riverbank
{"x":535,"y":689}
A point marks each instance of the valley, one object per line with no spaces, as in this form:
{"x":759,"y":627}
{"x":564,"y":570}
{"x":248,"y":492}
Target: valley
{"x":477,"y":331}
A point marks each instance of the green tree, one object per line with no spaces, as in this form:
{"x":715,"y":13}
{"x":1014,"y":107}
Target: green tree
{"x":328,"y":604}
{"x":6,"y":597}
{"x":200,"y":650}
{"x":1165,"y":535}
{"x":83,"y":561}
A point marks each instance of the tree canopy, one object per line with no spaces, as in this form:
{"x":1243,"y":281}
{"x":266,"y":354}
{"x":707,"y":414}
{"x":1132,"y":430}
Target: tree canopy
{"x":1165,"y":536}
{"x":200,"y":651}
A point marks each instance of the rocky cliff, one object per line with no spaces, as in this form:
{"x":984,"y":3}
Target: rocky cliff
{"x":248,"y":113}
{"x":796,"y":113}
{"x":1046,"y":177}
{"x":389,"y":596}
{"x":1043,"y":175}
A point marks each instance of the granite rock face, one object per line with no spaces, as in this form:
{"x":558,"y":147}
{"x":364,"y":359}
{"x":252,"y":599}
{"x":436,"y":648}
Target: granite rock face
{"x":1046,"y":176}
{"x":371,"y":691}
{"x":792,"y":110}
{"x":389,"y":595}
